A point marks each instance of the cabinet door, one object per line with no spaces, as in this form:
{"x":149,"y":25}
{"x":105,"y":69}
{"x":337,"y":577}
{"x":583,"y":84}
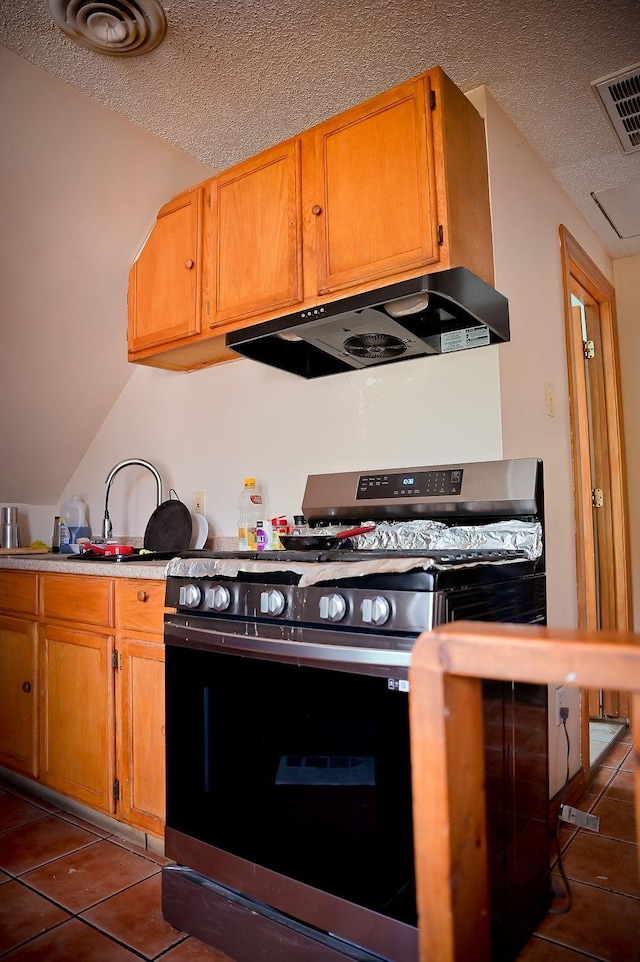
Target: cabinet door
{"x":375,"y":189}
{"x":77,"y":738}
{"x":256,"y":235}
{"x":165,"y":281}
{"x":141,"y":740}
{"x":18,"y":695}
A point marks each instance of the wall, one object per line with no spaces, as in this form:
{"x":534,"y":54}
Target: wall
{"x":80,"y":187}
{"x":627,"y":284}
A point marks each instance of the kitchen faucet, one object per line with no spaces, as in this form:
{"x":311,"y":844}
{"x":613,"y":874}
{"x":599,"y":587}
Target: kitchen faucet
{"x":107,"y":527}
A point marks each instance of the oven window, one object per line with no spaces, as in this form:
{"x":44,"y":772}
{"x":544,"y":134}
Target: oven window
{"x":302,"y":770}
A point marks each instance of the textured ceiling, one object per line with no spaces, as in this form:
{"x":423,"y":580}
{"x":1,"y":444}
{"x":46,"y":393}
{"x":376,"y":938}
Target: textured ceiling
{"x":232,"y":77}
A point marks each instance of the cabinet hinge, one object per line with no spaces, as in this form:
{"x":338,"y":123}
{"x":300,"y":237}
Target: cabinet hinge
{"x":208,"y":307}
{"x":597,"y":498}
{"x":208,"y":200}
{"x":432,"y":99}
{"x":589,"y":350}
{"x":116,"y":790}
{"x":114,"y":659}
{"x":440,"y":234}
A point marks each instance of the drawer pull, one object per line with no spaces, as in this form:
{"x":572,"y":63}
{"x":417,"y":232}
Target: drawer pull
{"x":142,"y":596}
{"x":26,"y":687}
{"x":189,"y":263}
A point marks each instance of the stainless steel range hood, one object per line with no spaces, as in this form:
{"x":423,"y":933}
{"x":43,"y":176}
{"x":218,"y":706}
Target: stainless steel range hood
{"x":435,"y":314}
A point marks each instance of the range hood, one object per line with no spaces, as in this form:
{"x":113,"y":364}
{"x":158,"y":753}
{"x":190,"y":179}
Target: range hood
{"x":435,"y":314}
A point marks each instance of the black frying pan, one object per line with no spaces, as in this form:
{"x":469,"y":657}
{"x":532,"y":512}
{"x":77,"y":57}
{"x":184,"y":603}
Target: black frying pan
{"x":169,"y":528}
{"x":320,"y":542}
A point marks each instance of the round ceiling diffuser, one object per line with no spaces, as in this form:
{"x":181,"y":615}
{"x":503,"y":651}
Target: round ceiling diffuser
{"x":125,"y":28}
{"x":374,"y":346}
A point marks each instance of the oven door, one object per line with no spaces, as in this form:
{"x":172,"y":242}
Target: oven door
{"x":288,"y":775}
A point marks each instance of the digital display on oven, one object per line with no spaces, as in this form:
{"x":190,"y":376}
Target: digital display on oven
{"x":418,"y":484}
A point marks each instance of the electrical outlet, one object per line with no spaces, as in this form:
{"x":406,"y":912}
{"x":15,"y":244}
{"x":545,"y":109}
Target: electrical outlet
{"x":549,"y":400}
{"x":559,"y":703}
{"x":200,"y":502}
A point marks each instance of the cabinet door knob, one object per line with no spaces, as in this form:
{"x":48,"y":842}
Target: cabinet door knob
{"x":26,"y":687}
{"x":316,"y":209}
{"x":189,"y":263}
{"x":142,"y":596}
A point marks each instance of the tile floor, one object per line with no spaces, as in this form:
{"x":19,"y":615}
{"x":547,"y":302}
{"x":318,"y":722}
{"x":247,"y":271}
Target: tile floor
{"x":72,"y":891}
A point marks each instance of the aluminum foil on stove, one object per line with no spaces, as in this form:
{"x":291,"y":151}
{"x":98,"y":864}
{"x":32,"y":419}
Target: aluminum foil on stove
{"x":525,"y":536}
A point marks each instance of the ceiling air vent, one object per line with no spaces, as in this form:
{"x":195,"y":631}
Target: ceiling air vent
{"x":620,"y":97}
{"x":121,"y":28}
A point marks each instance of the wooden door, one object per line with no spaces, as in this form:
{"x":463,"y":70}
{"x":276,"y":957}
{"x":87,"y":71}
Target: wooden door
{"x":18,"y":695}
{"x":375,"y":189}
{"x":77,"y":736}
{"x":602,"y":550}
{"x":165,"y":281}
{"x":256,"y":237}
{"x":141,"y":735}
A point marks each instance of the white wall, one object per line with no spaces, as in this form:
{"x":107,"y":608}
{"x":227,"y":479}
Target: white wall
{"x":627,"y":284}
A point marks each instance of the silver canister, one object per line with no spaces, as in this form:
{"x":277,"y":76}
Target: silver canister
{"x":9,"y":528}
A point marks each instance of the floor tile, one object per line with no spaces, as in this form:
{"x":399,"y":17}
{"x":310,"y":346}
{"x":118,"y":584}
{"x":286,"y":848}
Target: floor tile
{"x":73,"y":941}
{"x":600,"y":779}
{"x":39,"y":842}
{"x":602,"y":924}
{"x":89,"y":875}
{"x":617,"y":819}
{"x":621,"y":787}
{"x":24,"y":914}
{"x":540,"y":950}
{"x":39,"y":802}
{"x":16,"y":811}
{"x":4,"y":877}
{"x":82,"y":823}
{"x":617,"y":754}
{"x":135,"y":918}
{"x":603,"y":862}
{"x":192,"y":950}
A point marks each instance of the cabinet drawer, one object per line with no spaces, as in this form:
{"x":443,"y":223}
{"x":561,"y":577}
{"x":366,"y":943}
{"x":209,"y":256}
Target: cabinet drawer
{"x":86,"y":600}
{"x":18,"y":592}
{"x":141,"y":605}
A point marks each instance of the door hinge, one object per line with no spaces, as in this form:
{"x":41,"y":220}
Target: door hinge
{"x":597,"y":498}
{"x":116,"y":790}
{"x":208,"y":200}
{"x":208,"y":305}
{"x":432,"y":99}
{"x":114,"y":659}
{"x":440,"y":234}
{"x":589,"y":350}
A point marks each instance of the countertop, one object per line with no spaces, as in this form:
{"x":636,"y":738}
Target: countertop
{"x":154,"y":570}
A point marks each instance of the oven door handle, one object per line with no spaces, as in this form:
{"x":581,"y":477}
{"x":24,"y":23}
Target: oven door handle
{"x":190,"y":635}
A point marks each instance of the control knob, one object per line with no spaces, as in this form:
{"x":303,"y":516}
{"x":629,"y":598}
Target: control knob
{"x":332,"y":607}
{"x":375,"y":611}
{"x":218,"y":597}
{"x":271,"y":602}
{"x":190,"y":596}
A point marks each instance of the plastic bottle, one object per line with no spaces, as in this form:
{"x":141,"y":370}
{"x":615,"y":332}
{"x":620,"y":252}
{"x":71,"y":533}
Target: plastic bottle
{"x":74,"y":513}
{"x":64,"y":537}
{"x":251,"y":511}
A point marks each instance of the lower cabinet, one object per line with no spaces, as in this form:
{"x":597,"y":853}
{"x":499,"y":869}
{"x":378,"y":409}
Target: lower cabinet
{"x":140,"y":704}
{"x":82,"y":690}
{"x":19,"y":695}
{"x":19,"y":671}
{"x":77,"y":727}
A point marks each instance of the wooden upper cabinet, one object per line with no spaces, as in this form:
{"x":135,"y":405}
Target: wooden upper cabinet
{"x":256,"y":236}
{"x":375,"y":187}
{"x":390,"y":189}
{"x":165,"y":282}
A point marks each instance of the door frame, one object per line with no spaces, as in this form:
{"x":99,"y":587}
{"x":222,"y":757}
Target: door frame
{"x":613,"y":540}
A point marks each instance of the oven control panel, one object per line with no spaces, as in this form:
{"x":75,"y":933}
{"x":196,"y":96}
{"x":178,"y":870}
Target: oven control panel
{"x":413,"y":484}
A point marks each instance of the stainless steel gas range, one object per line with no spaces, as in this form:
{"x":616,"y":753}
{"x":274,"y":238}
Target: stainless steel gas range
{"x":289,"y":808}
